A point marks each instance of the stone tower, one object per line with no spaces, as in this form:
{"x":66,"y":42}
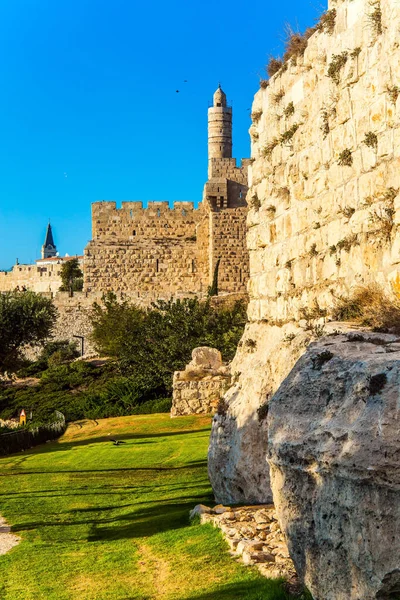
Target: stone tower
{"x":219,"y":128}
{"x":49,"y":248}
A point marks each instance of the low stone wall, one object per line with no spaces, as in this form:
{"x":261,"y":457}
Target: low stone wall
{"x":199,"y":388}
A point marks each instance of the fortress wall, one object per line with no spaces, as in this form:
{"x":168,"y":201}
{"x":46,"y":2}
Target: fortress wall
{"x":150,"y":268}
{"x":324,"y":226}
{"x":132,"y":221}
{"x":37,"y":279}
{"x":228,"y":234}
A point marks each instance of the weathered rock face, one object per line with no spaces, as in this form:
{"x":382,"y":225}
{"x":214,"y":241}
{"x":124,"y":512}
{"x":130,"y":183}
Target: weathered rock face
{"x":317,"y":224}
{"x":199,"y":388}
{"x":335,"y":466}
{"x":237,"y":464}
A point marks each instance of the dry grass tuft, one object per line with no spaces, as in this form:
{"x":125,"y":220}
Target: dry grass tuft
{"x":274,"y":65}
{"x":370,"y":306}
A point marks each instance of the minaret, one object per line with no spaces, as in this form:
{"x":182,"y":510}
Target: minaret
{"x":219,"y":128}
{"x":49,"y":248}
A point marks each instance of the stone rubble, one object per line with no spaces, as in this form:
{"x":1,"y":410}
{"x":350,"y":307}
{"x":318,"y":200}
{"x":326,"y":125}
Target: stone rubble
{"x":254,"y":536}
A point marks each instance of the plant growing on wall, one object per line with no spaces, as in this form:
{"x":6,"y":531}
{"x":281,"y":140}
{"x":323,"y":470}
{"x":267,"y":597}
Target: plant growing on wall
{"x":375,"y":17}
{"x":268,"y":149}
{"x":345,"y":158}
{"x":327,"y":21}
{"x":213,"y":289}
{"x":393,"y":91}
{"x":325,"y":122}
{"x":289,"y":110}
{"x":371,"y":140}
{"x":336,"y":65}
{"x":264,"y":83}
{"x":287,"y":136}
{"x":274,"y":65}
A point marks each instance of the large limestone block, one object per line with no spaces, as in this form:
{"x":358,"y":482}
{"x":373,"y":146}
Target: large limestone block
{"x":334,"y":453}
{"x":206,"y":358}
{"x":237,"y":464}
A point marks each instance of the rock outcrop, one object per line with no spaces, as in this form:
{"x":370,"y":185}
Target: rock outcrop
{"x":237,"y":464}
{"x":324,"y":214}
{"x":335,"y":466}
{"x":199,"y":388}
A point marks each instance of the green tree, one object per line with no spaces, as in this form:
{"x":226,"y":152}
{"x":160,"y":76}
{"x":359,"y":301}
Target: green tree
{"x":26,"y":319}
{"x":71,"y":276}
{"x":152,"y":344}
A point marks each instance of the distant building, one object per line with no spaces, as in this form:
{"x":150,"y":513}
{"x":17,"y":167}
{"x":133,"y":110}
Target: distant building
{"x":49,"y":248}
{"x":43,"y":276}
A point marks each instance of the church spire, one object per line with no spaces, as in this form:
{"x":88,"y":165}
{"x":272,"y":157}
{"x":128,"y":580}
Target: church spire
{"x":49,"y":248}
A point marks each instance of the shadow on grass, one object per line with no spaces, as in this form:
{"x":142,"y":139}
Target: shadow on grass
{"x":195,"y":464}
{"x":159,"y":517}
{"x":268,"y":589}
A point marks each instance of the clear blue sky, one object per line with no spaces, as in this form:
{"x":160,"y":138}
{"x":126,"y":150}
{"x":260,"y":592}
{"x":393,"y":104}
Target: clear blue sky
{"x":89,"y":110}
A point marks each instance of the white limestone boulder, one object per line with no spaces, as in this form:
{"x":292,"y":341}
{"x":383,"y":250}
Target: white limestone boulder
{"x":334,"y":455}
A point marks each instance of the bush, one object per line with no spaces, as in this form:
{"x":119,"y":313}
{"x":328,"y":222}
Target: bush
{"x":26,"y":319}
{"x":370,"y":306}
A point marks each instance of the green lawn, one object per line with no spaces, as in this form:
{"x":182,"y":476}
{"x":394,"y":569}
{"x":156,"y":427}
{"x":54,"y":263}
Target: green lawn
{"x":100,"y":521}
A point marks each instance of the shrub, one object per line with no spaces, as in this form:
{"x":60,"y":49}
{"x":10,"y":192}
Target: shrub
{"x":375,"y":17}
{"x":369,"y":306}
{"x":371,"y":140}
{"x":313,"y":250}
{"x":288,"y":135}
{"x":327,"y":21}
{"x":256,"y":115}
{"x":264,"y":83}
{"x":356,"y":52}
{"x":393,"y":91}
{"x":274,"y":65}
{"x":336,"y":65}
{"x":255,"y":202}
{"x":296,"y":43}
{"x":345,"y":158}
{"x":348,"y":242}
{"x":269,"y":148}
{"x":289,"y":110}
{"x":325,"y":122}
{"x":348,"y":211}
{"x":276,"y":98}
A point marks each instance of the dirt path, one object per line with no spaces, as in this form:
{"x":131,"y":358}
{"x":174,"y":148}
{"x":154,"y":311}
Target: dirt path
{"x":7,"y":539}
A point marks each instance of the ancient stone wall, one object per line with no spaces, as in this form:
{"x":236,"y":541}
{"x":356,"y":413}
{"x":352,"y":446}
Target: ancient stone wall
{"x":199,"y":388}
{"x":146,"y":253}
{"x":44,"y":278}
{"x":326,"y":171}
{"x":73,"y":319}
{"x":324,"y":214}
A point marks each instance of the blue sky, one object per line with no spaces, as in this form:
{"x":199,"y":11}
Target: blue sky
{"x":89,"y":109}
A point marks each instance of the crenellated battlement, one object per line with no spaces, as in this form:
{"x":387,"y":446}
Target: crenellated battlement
{"x":132,"y":220}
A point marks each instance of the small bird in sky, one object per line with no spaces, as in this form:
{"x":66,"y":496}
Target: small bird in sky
{"x":177,"y":91}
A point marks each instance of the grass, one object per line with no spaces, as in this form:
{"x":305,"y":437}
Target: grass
{"x":99,"y":521}
{"x":370,"y":306}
